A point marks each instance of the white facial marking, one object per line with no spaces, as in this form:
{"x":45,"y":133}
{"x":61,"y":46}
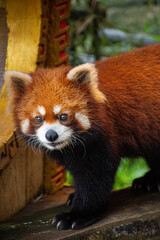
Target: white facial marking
{"x":25,"y":125}
{"x":56,"y":109}
{"x":83,"y":119}
{"x":41,"y":110}
{"x":64,"y":135}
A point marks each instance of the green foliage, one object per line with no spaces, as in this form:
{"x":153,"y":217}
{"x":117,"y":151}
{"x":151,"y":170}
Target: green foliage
{"x":117,"y":48}
{"x":128,"y":170}
{"x":90,"y":17}
{"x":70,"y":180}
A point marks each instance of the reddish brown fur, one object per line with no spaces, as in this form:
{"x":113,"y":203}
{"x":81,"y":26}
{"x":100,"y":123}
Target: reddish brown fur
{"x":131,"y":83}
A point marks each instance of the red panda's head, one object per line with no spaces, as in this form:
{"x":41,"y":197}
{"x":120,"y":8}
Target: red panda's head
{"x":50,"y":106}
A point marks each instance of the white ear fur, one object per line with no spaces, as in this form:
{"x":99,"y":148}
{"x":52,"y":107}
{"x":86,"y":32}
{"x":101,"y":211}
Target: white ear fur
{"x":87,"y":73}
{"x":15,"y":82}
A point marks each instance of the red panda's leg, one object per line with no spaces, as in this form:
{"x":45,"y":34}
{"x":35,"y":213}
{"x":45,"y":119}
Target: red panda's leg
{"x":93,"y":184}
{"x":148,"y":183}
{"x":151,"y":180}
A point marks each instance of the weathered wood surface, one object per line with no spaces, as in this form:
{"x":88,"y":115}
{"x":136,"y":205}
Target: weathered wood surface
{"x":24,"y":24}
{"x":130,"y":216}
{"x":3,"y":42}
{"x":20,"y":181}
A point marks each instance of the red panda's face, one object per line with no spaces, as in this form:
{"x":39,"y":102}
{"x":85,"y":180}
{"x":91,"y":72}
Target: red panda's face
{"x":54,"y":129}
{"x":51,"y":106}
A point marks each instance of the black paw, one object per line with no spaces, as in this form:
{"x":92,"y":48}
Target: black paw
{"x":70,"y":199}
{"x":66,"y":221}
{"x":148,"y":183}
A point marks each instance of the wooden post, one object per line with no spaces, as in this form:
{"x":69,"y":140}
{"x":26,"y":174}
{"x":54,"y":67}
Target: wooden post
{"x":21,"y":170}
{"x":58,"y":34}
{"x":3,"y":40}
{"x":57,"y":41}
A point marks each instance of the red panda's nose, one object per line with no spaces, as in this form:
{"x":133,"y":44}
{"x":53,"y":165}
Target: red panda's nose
{"x":51,"y":135}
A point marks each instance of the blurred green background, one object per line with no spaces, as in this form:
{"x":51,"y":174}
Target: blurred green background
{"x":105,"y":28}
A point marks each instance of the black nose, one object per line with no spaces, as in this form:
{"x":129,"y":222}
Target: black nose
{"x":51,"y":135}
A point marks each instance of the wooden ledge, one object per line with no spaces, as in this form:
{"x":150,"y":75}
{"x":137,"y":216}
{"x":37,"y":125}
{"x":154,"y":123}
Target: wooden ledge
{"x":130,"y":216}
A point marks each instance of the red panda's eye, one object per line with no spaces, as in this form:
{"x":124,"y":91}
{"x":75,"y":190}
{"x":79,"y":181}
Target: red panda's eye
{"x":38,"y":119}
{"x":63,"y":117}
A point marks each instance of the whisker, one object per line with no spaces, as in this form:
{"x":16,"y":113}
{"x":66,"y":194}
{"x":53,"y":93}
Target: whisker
{"x":77,"y":139}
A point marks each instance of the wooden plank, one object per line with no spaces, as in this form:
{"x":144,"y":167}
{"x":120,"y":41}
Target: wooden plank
{"x":20,"y":181}
{"x":3,"y":42}
{"x":25,"y":24}
{"x":9,"y":150}
{"x":34,"y":175}
{"x":13,"y":185}
{"x":130,"y":216}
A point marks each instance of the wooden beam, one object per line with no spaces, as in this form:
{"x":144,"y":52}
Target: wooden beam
{"x":21,"y":170}
{"x":24,"y":23}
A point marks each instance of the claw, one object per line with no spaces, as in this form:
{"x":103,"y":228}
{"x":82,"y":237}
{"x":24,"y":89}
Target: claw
{"x":73,"y":225}
{"x":59,"y":224}
{"x":53,"y":220}
{"x":68,"y":202}
{"x":148,"y":188}
{"x":135,"y":186}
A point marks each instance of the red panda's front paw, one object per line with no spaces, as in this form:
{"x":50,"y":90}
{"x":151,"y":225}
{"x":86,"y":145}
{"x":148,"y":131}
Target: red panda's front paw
{"x":66,"y":221}
{"x":62,"y":221}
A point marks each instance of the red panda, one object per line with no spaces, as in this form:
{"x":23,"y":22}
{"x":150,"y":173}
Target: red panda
{"x":88,"y":117}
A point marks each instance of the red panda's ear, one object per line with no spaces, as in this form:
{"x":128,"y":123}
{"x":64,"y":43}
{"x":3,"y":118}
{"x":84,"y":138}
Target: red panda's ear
{"x":87,"y":73}
{"x":16,"y":83}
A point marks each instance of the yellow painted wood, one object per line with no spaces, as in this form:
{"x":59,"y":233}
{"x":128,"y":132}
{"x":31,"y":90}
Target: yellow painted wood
{"x":6,"y":121}
{"x":24,"y":23}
